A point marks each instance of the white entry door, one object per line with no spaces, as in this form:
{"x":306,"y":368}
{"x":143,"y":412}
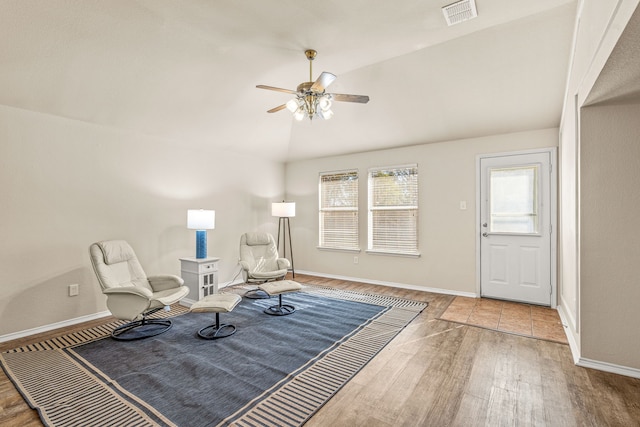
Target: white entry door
{"x":515,"y":227}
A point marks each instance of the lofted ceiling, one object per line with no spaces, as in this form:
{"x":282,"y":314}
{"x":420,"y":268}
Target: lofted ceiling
{"x":619,"y":80}
{"x":186,"y":70}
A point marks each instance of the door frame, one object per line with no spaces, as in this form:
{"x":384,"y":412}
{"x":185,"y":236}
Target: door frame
{"x":553,"y":221}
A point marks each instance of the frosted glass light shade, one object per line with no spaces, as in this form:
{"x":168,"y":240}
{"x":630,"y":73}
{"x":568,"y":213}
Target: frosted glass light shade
{"x":324,"y":103}
{"x":292,"y":105}
{"x":326,"y":114}
{"x":283,"y":209}
{"x":299,"y":114}
{"x":200,"y":219}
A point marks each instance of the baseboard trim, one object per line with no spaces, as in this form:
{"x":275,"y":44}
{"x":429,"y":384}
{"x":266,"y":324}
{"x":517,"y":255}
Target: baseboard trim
{"x":583,"y":362}
{"x":609,"y":367}
{"x":391,"y":284}
{"x":52,"y":326}
{"x":573,"y":344}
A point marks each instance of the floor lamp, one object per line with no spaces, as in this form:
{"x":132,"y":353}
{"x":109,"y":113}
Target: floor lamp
{"x":285,"y":210}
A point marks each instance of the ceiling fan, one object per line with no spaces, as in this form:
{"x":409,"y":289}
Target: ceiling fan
{"x":311,"y":99}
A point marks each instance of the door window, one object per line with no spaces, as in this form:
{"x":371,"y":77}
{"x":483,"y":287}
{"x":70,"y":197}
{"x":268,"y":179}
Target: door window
{"x":514,"y":200}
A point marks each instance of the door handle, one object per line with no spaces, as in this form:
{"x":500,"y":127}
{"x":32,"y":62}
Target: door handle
{"x":485,"y":234}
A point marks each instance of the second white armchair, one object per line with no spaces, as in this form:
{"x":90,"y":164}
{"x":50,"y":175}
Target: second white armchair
{"x":259,"y":259}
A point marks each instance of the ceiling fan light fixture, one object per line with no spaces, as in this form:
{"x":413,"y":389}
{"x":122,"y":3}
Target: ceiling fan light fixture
{"x":292,"y":105}
{"x":325,"y":103}
{"x":299,"y":114}
{"x":326,"y":114}
{"x":311,"y":100}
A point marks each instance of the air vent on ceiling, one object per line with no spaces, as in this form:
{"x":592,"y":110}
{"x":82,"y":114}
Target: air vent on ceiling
{"x":460,"y":11}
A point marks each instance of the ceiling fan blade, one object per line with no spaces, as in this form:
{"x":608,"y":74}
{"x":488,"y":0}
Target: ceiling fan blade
{"x":278,"y":108}
{"x":362,"y":99}
{"x":277,"y":89}
{"x":323,"y":81}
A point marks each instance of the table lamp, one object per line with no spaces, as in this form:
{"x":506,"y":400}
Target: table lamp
{"x":201,"y":220}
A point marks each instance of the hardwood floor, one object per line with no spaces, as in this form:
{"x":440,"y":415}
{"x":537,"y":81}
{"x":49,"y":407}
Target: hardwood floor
{"x":440,"y":373}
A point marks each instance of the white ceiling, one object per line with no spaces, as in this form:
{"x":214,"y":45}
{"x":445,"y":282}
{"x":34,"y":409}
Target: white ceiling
{"x":186,"y":70}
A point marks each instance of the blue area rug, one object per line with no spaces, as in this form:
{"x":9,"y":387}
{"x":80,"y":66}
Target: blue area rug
{"x":272,"y":371}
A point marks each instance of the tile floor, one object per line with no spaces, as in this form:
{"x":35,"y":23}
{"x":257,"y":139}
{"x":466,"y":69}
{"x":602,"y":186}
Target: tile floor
{"x":522,"y":319}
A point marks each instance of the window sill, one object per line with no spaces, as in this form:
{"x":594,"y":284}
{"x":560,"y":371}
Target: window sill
{"x":323,"y":248}
{"x":405,"y":255}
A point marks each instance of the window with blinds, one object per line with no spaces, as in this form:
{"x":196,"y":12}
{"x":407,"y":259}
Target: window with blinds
{"x":393,"y":210}
{"x":339,"y":210}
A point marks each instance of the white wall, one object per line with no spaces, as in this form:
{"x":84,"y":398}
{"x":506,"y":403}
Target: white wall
{"x":447,"y":175}
{"x":65,"y":184}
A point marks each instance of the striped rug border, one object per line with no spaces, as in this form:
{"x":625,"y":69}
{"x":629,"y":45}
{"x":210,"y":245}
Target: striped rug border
{"x":293,"y":402}
{"x":376,"y":299}
{"x":91,"y":334}
{"x":59,"y":402}
{"x":290,"y":403}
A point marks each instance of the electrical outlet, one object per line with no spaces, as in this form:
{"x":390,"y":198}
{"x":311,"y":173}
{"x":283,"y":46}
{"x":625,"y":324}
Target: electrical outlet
{"x":73,"y":290}
{"x":355,"y":259}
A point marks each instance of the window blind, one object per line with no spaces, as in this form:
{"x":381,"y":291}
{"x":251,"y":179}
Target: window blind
{"x":339,"y":210}
{"x":393,"y":209}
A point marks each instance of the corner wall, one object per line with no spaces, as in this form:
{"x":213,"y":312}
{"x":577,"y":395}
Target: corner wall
{"x":65,"y":184}
{"x":609,"y":248}
{"x":594,"y":293}
{"x":447,"y":234}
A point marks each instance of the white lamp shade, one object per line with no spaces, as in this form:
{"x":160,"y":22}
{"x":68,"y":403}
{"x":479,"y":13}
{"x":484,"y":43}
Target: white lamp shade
{"x":283,"y":209}
{"x":200,"y":219}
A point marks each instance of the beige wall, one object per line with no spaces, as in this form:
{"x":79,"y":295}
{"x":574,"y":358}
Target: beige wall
{"x":447,"y":175}
{"x":65,"y":184}
{"x":595,"y":292}
{"x":590,"y":29}
{"x":609,"y":244}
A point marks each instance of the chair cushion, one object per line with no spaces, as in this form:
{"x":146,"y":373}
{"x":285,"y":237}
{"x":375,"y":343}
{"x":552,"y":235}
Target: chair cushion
{"x":216,"y":303}
{"x":116,"y":264}
{"x":171,"y":296}
{"x":115,"y":251}
{"x":280,"y":287}
{"x":265,"y":275}
{"x":256,"y":239}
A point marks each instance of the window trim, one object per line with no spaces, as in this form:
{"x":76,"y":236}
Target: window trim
{"x":355,"y":210}
{"x":371,"y":209}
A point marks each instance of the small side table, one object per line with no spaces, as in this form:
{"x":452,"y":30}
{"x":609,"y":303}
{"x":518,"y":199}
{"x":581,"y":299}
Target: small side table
{"x":200,"y":276}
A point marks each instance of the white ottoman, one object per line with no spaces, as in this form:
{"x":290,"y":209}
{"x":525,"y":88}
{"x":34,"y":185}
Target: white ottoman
{"x":216,"y":303}
{"x":280,"y":287}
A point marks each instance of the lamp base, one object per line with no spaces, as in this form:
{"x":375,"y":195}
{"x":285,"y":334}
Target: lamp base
{"x":201,"y":244}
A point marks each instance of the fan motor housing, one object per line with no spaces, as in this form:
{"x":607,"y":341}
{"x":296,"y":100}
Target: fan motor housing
{"x":304,"y":87}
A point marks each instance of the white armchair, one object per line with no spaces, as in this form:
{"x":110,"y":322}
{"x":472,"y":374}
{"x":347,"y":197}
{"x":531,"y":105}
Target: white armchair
{"x":259,"y":259}
{"x":131,"y":295}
